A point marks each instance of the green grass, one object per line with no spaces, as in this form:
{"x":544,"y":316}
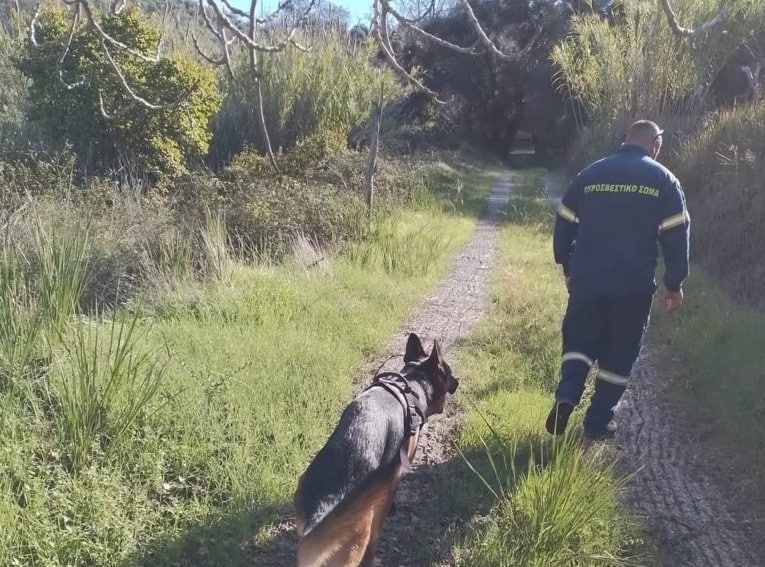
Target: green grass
{"x":173,"y":433}
{"x":712,"y":351}
{"x":532,"y":501}
{"x":460,"y":185}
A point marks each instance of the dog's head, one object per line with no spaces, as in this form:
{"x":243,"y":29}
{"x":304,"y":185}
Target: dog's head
{"x":436,"y":370}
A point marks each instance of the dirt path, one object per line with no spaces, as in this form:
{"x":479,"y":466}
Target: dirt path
{"x":456,"y":306}
{"x":675,"y":487}
{"x":449,"y":314}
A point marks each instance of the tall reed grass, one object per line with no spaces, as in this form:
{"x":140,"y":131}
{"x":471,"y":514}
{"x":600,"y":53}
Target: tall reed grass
{"x":326,"y":90}
{"x":614,"y":73}
{"x":558,"y":510}
{"x":722,"y":167}
{"x":401,"y":248}
{"x":106,"y":382}
{"x":43,"y":272}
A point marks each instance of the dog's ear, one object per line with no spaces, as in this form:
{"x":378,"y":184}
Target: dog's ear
{"x":435,"y":358}
{"x":414,"y":350}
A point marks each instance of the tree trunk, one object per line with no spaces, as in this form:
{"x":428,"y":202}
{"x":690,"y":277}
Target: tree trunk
{"x":374,"y":145}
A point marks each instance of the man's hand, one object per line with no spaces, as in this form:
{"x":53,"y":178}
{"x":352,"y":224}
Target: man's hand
{"x":672,"y":300}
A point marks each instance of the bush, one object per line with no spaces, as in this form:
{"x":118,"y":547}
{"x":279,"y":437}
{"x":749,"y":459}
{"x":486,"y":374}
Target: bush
{"x":134,"y":140}
{"x":616,"y":72}
{"x":12,"y":89}
{"x":325,"y":90}
{"x":722,"y":168}
{"x":560,"y":511}
{"x":35,"y":173}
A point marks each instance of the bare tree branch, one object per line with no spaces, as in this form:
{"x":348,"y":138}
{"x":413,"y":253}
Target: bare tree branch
{"x":85,"y":5}
{"x":133,"y":95}
{"x":33,"y":27}
{"x":383,"y":8}
{"x":118,"y":6}
{"x":117,"y":114}
{"x":410,"y":25}
{"x":208,"y":23}
{"x":485,"y":39}
{"x":226,"y":42}
{"x":227,"y":54}
{"x":225,"y":13}
{"x":299,"y":46}
{"x":726,"y":6}
{"x":268,"y":19}
{"x":72,"y":30}
{"x":429,"y":11}
{"x":249,"y":41}
{"x":235,"y":11}
{"x":211,"y":60}
{"x":273,"y":15}
{"x":259,"y":85}
{"x":383,"y":38}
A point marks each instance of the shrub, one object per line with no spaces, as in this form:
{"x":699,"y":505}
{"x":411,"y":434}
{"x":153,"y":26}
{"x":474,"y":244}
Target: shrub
{"x":105,"y":384}
{"x":722,"y":168}
{"x":325,"y":90}
{"x":135,"y":139}
{"x":12,"y":89}
{"x":638,"y":68}
{"x":559,"y":511}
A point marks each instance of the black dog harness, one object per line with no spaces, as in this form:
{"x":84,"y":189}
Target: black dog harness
{"x":398,"y":386}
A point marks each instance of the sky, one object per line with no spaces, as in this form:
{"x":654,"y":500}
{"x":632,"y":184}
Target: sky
{"x":360,"y":10}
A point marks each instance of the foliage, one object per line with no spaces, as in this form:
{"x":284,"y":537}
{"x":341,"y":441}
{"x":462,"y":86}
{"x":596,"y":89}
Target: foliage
{"x":43,"y":273}
{"x":321,"y":92}
{"x":120,"y":467}
{"x":615,"y":73}
{"x":561,"y":510}
{"x":104,"y":386}
{"x":722,"y":166}
{"x":494,"y":98}
{"x":12,"y":91}
{"x":134,"y":140}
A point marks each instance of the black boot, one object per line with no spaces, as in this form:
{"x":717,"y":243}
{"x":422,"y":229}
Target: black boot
{"x":558,"y":418}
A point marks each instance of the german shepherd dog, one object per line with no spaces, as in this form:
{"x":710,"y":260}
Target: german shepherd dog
{"x":345,"y":495}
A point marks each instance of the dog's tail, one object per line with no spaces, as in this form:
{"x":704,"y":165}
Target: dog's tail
{"x":341,"y":538}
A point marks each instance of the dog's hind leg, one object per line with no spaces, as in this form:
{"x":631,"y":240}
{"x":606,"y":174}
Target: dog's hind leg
{"x":344,"y":538}
{"x":340,"y":543}
{"x":381,"y":512}
{"x":352,"y":552}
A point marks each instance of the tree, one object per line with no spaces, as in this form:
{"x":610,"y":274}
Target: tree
{"x":101,"y":86}
{"x":231,"y":26}
{"x":497,"y":94}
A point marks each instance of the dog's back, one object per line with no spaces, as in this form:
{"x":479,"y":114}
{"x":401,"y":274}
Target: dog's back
{"x":344,"y":496}
{"x":348,"y":486}
{"x":365,"y":442}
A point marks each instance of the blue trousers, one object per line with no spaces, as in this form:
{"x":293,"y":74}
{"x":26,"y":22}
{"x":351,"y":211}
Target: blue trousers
{"x":607,"y":331}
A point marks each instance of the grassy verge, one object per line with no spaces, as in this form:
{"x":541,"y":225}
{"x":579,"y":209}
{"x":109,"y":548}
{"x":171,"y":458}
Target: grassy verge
{"x":712,"y":350}
{"x":174,"y":433}
{"x":540,"y":503}
{"x":460,"y":183}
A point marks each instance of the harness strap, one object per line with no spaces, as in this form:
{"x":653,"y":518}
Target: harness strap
{"x":397,"y":385}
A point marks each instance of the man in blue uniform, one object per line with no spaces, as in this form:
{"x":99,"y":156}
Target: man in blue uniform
{"x":610,"y":224}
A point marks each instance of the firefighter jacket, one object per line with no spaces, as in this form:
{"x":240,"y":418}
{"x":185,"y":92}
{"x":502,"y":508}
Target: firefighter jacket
{"x":610,"y":224}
